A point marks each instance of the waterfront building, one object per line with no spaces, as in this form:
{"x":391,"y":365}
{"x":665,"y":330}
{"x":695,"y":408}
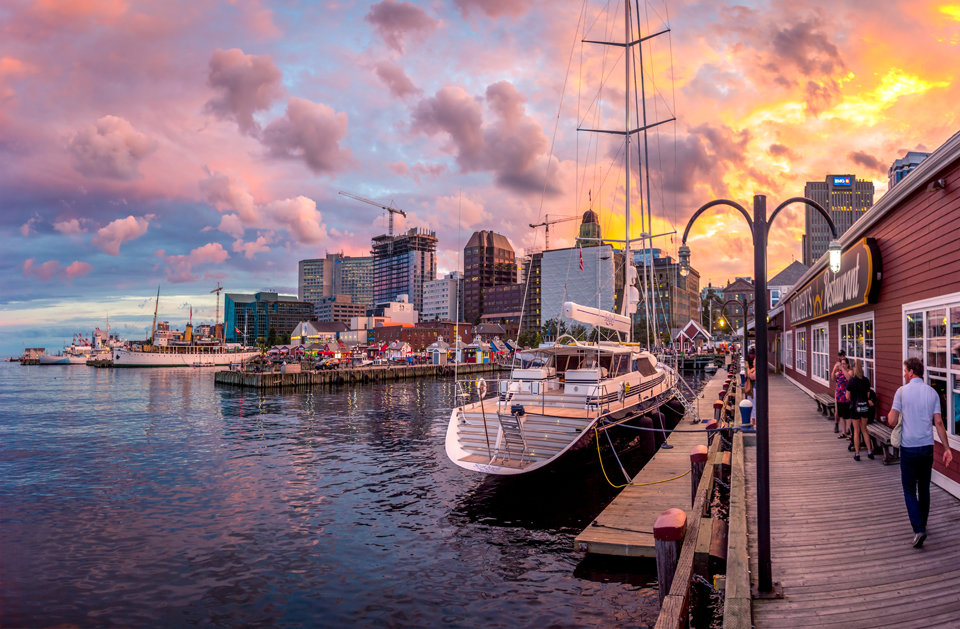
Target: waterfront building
{"x":902,"y":167}
{"x":399,"y":311}
{"x":488,"y":261}
{"x":307,"y":332}
{"x":674,"y":300}
{"x":338,"y":308}
{"x":442,"y":298}
{"x":846,"y":198}
{"x":402,"y":263}
{"x":740,"y":290}
{"x":599,"y":285}
{"x":896,"y":296}
{"x":336,"y":274}
{"x":531,"y":267}
{"x":261,"y":312}
{"x":779,"y":284}
{"x":421,"y":335}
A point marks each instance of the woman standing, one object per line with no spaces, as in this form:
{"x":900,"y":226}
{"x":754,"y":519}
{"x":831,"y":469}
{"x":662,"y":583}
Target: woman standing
{"x":842,"y":373}
{"x":858,"y":392}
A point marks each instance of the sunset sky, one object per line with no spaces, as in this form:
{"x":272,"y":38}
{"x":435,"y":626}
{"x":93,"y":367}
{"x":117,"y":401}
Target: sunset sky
{"x":184,"y":142}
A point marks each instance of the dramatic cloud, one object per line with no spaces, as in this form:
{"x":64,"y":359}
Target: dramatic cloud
{"x":227,"y":191}
{"x":301,"y":218}
{"x":76,"y":269}
{"x":394,"y":21}
{"x":492,"y":8}
{"x":311,"y":132}
{"x":396,"y":79}
{"x":70,"y":227}
{"x":807,"y":49}
{"x":867,"y":161}
{"x":245,"y":84}
{"x":779,"y":150}
{"x":43,"y":272}
{"x":180,"y":268}
{"x":110,"y":149}
{"x":109,"y":238}
{"x":512,"y":145}
{"x":250,"y":249}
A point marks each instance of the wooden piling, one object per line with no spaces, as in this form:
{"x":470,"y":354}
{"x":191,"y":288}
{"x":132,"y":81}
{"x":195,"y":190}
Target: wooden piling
{"x":698,"y":460}
{"x":668,"y":533}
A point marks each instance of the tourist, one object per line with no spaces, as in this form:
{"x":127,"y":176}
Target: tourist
{"x":839,"y":375}
{"x":858,"y":393}
{"x":917,"y":405}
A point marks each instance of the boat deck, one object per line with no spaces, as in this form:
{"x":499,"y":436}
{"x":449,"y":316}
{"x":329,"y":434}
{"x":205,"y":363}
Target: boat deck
{"x":625,"y":527}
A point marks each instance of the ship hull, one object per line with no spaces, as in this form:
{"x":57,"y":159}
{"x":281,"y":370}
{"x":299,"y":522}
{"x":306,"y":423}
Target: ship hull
{"x":126,"y":358}
{"x":62,"y":360}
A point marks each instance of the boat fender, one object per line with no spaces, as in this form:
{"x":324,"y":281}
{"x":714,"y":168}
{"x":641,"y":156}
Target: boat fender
{"x":622,"y":392}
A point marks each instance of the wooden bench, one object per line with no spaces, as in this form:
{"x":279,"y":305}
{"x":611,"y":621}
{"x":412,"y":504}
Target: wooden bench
{"x":881,"y":436}
{"x":825,"y":404}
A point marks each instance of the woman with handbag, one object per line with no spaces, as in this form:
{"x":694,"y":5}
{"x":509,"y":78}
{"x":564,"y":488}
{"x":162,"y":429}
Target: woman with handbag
{"x":858,"y":392}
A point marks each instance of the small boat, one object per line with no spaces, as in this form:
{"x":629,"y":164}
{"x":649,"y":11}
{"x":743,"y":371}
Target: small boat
{"x":73,"y":355}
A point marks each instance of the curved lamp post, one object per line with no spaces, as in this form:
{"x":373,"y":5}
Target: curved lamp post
{"x":743,"y":306}
{"x":760,"y":228}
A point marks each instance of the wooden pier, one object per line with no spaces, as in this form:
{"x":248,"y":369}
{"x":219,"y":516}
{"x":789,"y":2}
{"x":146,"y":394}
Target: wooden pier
{"x":276,"y":380}
{"x":625,"y":527}
{"x":840,"y":536}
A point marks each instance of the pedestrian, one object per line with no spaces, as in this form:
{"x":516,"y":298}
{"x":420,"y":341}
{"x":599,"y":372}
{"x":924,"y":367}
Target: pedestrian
{"x":917,"y":405}
{"x":839,"y":375}
{"x":858,"y":393}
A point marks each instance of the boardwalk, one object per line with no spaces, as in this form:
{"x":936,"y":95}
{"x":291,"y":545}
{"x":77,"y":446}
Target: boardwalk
{"x":840,"y":533}
{"x":625,"y":527}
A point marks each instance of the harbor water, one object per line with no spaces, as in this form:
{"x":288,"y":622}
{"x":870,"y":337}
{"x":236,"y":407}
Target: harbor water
{"x":154,"y":498}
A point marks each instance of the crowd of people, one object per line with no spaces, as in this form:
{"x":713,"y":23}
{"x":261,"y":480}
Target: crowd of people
{"x":856,"y":404}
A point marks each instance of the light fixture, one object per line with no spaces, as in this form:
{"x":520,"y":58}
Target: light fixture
{"x":684,"y":253}
{"x":834,"y":250}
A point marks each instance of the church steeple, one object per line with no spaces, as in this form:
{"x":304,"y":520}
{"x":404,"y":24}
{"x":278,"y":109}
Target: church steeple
{"x":589,"y":228}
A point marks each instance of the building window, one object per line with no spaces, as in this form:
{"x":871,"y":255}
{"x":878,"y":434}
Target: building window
{"x":788,"y":349}
{"x":774,"y":297}
{"x":802,"y":351}
{"x":931,"y":330}
{"x":856,"y":339}
{"x":820,"y":354}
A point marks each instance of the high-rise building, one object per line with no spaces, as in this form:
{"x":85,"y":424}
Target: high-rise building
{"x":846,"y":198}
{"x":339,"y":308}
{"x":442,"y":298}
{"x":251,"y":317}
{"x":336,"y":274}
{"x":489,"y":262}
{"x":900,"y":168}
{"x":401,"y":264}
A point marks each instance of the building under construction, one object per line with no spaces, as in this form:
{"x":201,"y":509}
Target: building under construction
{"x":401,"y":264}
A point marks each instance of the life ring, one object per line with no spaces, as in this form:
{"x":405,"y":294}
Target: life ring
{"x":481,"y":387}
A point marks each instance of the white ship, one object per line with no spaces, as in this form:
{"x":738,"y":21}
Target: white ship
{"x":73,"y":355}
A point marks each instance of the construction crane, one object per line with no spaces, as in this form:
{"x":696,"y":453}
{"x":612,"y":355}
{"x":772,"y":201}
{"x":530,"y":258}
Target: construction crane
{"x":217,"y":320}
{"x":547,"y":223}
{"x":391,"y":210}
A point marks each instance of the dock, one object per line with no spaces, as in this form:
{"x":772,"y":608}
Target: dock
{"x":276,"y":380}
{"x":625,"y":527}
{"x":840,"y":536}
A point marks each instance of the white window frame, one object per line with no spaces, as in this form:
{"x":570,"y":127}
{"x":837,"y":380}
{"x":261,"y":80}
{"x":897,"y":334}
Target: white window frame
{"x":870,"y":363}
{"x":788,"y":349}
{"x":797,"y":351}
{"x":826,"y":354}
{"x":947,"y":302}
{"x":775,"y":296}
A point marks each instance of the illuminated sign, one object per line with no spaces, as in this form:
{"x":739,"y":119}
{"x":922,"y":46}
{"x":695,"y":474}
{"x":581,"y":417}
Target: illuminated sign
{"x":846,"y":180}
{"x":856,"y":283}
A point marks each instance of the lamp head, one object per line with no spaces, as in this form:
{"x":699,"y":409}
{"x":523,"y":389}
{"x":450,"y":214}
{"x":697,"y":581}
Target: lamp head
{"x":834,"y":251}
{"x":684,"y":254}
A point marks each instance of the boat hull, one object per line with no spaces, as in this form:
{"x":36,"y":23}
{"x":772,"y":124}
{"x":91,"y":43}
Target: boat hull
{"x":62,"y":360}
{"x":126,"y":358}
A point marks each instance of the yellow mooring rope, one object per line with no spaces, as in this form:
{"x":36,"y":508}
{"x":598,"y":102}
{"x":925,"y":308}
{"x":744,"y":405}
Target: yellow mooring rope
{"x":600,"y":456}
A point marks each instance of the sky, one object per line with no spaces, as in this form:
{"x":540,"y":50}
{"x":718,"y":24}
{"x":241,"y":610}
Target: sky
{"x":181,"y":143}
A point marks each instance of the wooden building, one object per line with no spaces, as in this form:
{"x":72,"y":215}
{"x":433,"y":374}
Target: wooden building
{"x":897,"y":295}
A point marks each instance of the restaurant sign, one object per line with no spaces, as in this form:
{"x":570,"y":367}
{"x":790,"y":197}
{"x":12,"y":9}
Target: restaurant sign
{"x":856,"y":284}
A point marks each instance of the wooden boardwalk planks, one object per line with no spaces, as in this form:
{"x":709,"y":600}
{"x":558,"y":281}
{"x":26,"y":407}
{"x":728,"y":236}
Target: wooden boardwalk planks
{"x":840,"y":532}
{"x":625,"y":527}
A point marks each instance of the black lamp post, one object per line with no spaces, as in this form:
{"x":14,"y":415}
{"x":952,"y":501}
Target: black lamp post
{"x":760,"y":227}
{"x":743,"y":306}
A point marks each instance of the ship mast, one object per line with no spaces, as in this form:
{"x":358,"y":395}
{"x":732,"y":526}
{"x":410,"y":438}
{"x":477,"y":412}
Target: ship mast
{"x":153,"y":328}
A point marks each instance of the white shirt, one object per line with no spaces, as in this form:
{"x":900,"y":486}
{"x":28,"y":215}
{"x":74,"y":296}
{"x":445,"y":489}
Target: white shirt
{"x":917,"y":402}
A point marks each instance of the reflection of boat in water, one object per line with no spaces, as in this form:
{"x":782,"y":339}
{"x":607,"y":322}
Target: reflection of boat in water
{"x":556,"y":403}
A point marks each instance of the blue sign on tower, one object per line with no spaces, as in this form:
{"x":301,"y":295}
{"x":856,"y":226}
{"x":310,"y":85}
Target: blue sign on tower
{"x":845,"y":180}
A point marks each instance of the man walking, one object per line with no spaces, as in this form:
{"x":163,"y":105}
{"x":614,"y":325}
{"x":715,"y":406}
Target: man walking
{"x":917,"y":405}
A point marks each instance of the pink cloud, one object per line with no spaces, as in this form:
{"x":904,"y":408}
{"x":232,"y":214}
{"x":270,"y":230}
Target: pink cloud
{"x":43,"y":272}
{"x":109,"y":238}
{"x":180,"y":268}
{"x":399,"y":168}
{"x":396,"y":79}
{"x":492,"y":8}
{"x":76,"y":269}
{"x":396,"y":20}
{"x":110,"y":149}
{"x":311,"y":132}
{"x":301,"y":218}
{"x":250,"y":249}
{"x":245,"y":84}
{"x":69,"y":227}
{"x":227,"y":191}
{"x":27,"y":228}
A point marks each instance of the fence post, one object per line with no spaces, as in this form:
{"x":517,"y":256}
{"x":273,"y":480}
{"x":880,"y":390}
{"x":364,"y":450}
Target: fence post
{"x":711,"y":425}
{"x":717,"y":409}
{"x":668,"y":533}
{"x":698,"y":460}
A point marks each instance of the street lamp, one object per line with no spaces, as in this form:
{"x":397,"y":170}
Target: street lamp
{"x":759,"y":228}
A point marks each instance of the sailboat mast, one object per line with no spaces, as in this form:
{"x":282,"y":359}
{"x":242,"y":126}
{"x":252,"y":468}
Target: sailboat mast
{"x":652,"y":308}
{"x":153,"y":328}
{"x":626,"y":112}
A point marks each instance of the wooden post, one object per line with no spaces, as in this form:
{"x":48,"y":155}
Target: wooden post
{"x":698,"y":460}
{"x":717,"y":409}
{"x":668,"y":533}
{"x":711,"y":425}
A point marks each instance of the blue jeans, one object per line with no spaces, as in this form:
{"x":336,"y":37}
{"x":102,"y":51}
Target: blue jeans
{"x":916,"y":465}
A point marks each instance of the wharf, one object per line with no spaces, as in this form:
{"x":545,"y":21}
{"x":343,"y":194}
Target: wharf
{"x":275,"y":380}
{"x":625,"y":527}
{"x":840,"y":535}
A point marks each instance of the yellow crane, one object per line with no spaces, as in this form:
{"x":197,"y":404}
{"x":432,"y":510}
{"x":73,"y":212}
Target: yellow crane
{"x":389,"y":208}
{"x":547,"y":223}
{"x":217,"y":320}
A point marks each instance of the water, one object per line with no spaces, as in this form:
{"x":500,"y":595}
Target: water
{"x":152,"y":497}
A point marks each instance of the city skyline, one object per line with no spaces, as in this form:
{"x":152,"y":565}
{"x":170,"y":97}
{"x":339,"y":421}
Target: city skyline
{"x":180,"y":146}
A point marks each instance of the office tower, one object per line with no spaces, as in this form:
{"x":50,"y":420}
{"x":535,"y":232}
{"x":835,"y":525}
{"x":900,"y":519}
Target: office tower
{"x":401,"y":264}
{"x":900,"y":168}
{"x":441,"y":298}
{"x":336,"y":274}
{"x":250,"y":317}
{"x":846,"y":198}
{"x":489,"y":263}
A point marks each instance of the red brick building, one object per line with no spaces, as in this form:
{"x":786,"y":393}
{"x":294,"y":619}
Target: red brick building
{"x":422,"y":335}
{"x":897,"y":295}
